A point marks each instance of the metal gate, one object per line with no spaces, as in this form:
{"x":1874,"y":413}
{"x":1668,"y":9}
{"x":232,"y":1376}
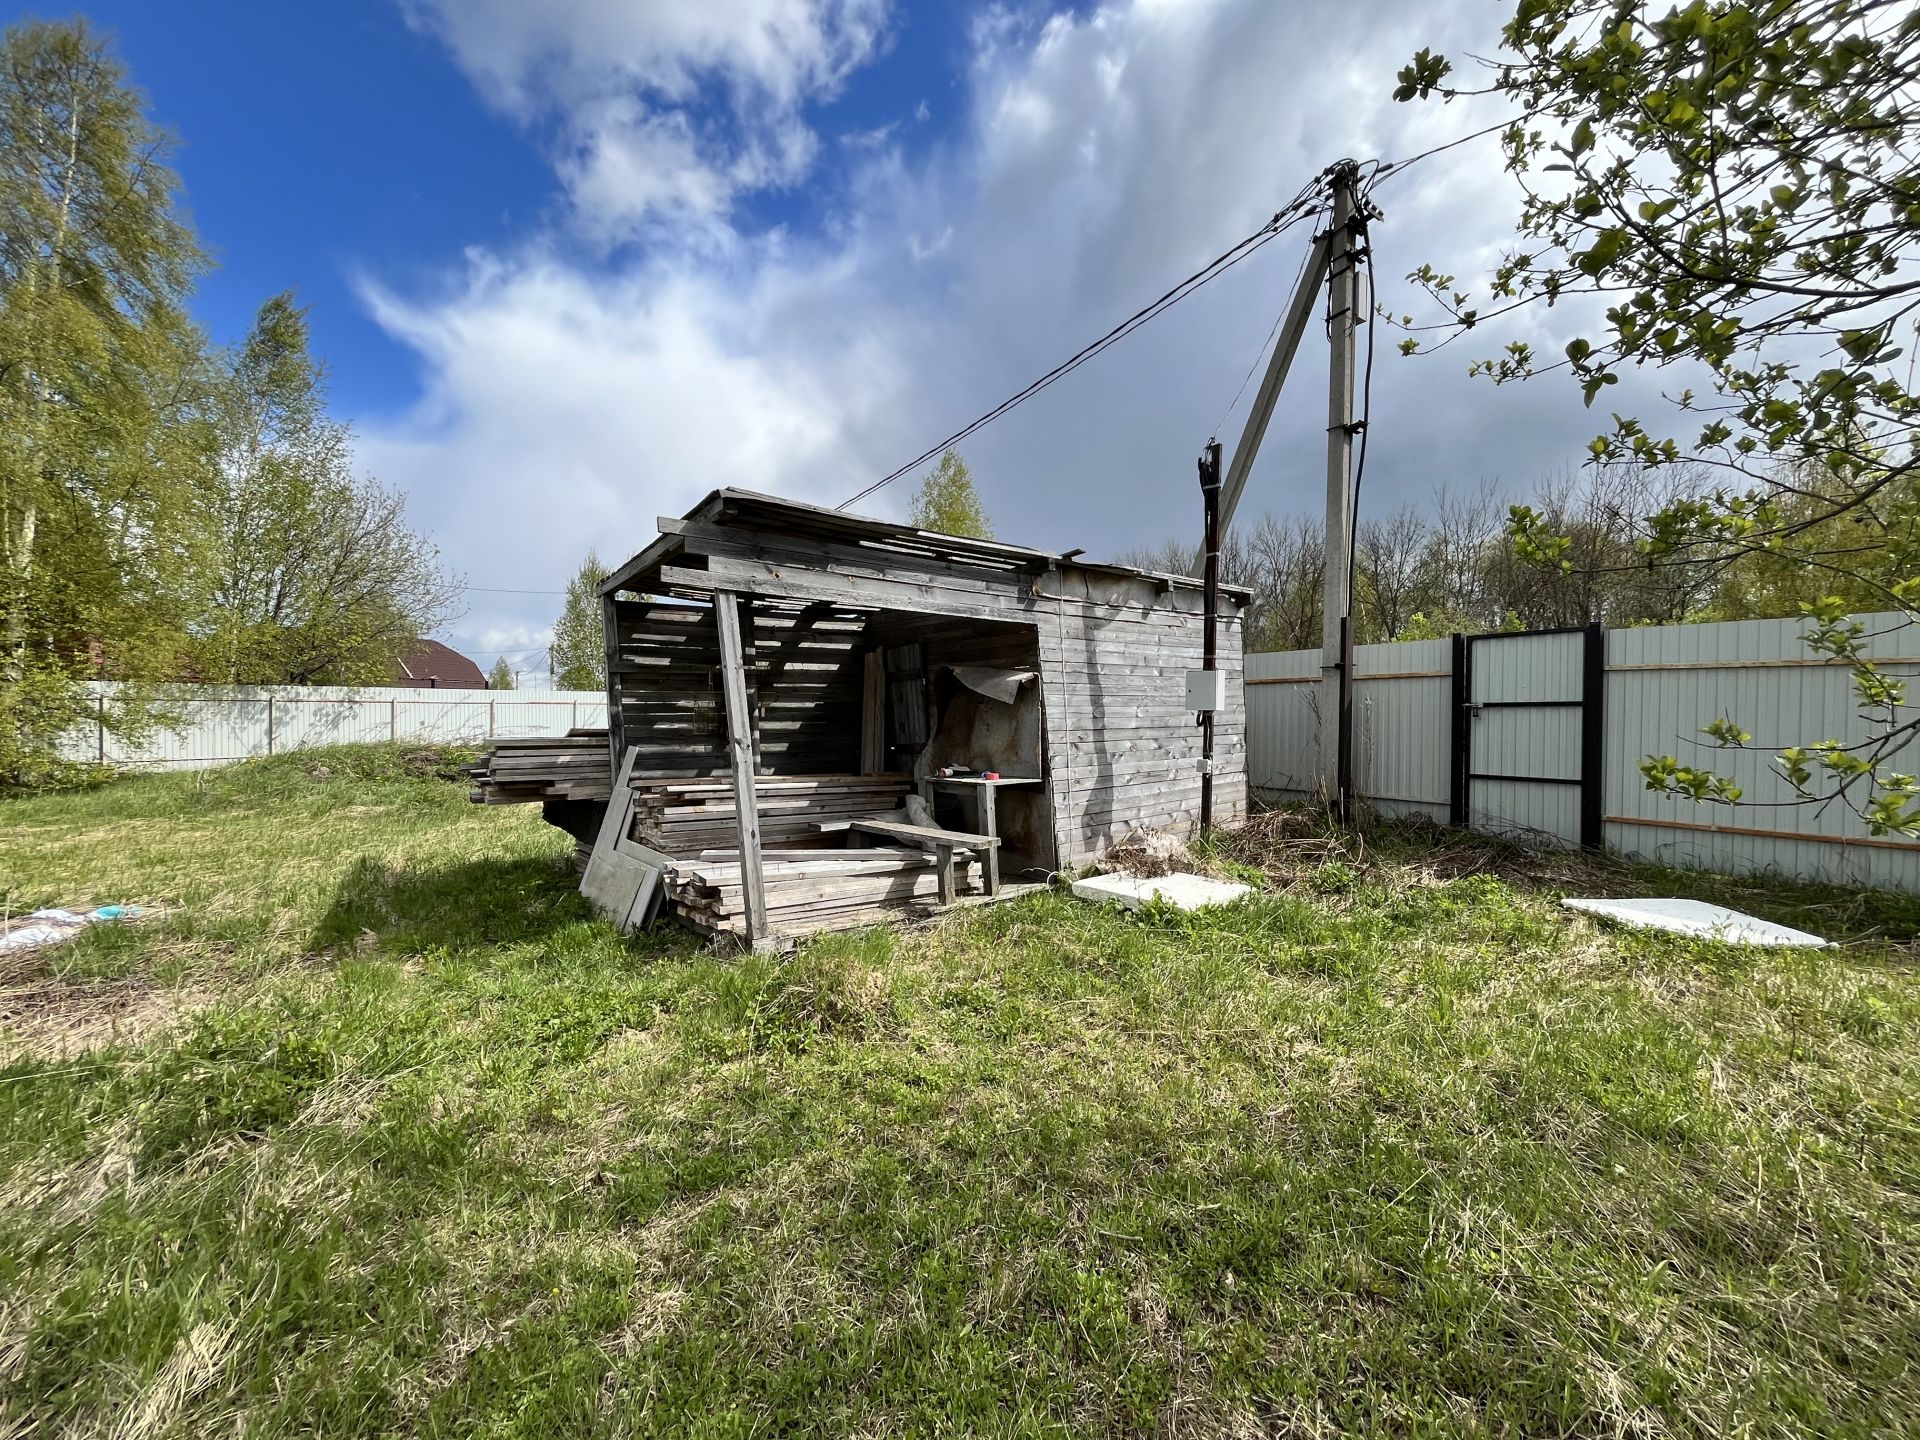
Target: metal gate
{"x":1527,"y":733}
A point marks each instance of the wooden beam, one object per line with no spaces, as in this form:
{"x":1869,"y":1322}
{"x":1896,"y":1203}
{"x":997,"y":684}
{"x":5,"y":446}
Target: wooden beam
{"x":610,"y":622}
{"x":733,"y":676}
{"x":851,"y":592}
{"x":873,"y":714}
{"x":662,"y":548}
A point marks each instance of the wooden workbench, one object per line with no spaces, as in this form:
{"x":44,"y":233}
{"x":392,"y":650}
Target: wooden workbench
{"x":983,"y":790}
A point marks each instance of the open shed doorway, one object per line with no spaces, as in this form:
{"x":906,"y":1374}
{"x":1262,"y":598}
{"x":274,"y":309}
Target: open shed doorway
{"x":966,"y":694}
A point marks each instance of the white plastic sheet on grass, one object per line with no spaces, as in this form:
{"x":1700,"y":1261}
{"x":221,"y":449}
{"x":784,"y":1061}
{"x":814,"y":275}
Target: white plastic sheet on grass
{"x":1184,"y":892}
{"x":1697,"y":918}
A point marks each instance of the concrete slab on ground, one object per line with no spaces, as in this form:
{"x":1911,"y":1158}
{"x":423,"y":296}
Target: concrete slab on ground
{"x":1184,"y":892}
{"x":1696,"y":917}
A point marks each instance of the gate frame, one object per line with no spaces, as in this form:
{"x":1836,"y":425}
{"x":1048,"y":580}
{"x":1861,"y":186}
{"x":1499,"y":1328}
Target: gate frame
{"x":1592,"y":707}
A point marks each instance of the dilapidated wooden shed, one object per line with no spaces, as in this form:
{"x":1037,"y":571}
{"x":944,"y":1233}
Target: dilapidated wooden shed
{"x":859,"y":659}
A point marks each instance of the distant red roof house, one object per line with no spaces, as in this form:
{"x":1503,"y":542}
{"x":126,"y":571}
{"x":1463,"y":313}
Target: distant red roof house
{"x":429,"y":665}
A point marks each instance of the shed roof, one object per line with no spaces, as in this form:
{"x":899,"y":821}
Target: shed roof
{"x":793,"y":517}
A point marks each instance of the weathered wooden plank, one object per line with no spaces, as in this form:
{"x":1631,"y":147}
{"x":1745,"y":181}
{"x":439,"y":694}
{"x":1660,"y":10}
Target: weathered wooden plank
{"x":760,"y":579}
{"x":610,"y":622}
{"x":620,"y":886}
{"x":827,"y":556}
{"x":873,"y":714}
{"x":923,"y":834}
{"x":733,"y":673}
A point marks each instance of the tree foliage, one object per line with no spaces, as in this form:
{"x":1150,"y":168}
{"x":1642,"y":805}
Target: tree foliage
{"x":500,"y":677}
{"x":101,"y":378}
{"x":314,"y":575}
{"x":1730,"y":190}
{"x":1425,"y":571}
{"x":947,"y":502}
{"x":578,"y":656}
{"x":166,"y":511}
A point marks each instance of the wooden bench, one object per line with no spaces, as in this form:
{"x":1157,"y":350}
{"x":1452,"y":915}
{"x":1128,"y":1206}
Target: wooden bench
{"x":945,"y":842}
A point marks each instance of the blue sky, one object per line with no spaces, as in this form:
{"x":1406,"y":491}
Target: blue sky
{"x":324,"y":143}
{"x":320,"y":142}
{"x":572,"y":266}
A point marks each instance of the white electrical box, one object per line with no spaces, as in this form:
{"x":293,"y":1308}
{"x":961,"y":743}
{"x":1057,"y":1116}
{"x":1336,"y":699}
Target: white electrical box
{"x":1206,"y":689}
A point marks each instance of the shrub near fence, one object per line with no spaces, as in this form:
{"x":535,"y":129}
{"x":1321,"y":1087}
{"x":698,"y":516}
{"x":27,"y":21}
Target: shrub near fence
{"x":1443,"y":730}
{"x":227,"y":723}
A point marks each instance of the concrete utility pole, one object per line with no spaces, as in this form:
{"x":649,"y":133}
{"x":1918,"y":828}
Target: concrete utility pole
{"x":1332,"y":259}
{"x":1336,"y":632}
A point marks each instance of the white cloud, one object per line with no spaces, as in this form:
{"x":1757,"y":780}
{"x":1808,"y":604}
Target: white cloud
{"x":563,"y":412}
{"x":524,"y":54}
{"x":666,"y":109}
{"x":1101,"y":155}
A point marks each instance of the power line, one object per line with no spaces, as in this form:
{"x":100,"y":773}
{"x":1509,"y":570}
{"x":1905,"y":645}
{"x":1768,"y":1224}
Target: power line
{"x":1283,"y":220}
{"x":495,"y":590}
{"x":1390,"y":167}
{"x":521,"y":655}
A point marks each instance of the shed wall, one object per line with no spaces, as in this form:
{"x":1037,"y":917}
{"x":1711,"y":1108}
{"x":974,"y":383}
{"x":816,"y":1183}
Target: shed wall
{"x":1122,"y":748}
{"x":1123,"y":752}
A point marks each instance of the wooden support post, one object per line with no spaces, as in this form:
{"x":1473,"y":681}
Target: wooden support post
{"x":616,"y":737}
{"x":733,"y":676}
{"x":990,"y":825}
{"x":873,"y":714}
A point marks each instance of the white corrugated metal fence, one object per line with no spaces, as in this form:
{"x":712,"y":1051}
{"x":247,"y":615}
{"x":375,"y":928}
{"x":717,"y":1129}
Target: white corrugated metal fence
{"x":1506,"y":746}
{"x":228,"y":723}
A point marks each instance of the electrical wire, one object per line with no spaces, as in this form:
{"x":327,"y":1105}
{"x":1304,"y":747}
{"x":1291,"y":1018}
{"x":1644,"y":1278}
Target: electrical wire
{"x":1382,"y":169}
{"x":495,"y":590}
{"x":1283,"y":220}
{"x":516,"y":656}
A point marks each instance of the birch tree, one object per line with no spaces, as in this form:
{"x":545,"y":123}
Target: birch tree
{"x":947,"y":502}
{"x":101,"y":382}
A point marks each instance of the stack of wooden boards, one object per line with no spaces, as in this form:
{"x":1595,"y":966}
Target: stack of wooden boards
{"x":687,"y":817}
{"x":528,"y":769}
{"x":810,"y":889}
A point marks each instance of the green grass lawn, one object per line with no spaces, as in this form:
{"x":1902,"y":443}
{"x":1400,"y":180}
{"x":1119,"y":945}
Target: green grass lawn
{"x":373,"y":1130}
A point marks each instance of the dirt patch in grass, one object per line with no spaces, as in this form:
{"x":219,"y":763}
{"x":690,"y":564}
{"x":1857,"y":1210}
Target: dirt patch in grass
{"x":44,"y":1016}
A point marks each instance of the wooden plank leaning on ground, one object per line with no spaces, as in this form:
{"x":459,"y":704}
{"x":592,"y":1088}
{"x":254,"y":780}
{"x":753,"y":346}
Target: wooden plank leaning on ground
{"x":623,"y":880}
